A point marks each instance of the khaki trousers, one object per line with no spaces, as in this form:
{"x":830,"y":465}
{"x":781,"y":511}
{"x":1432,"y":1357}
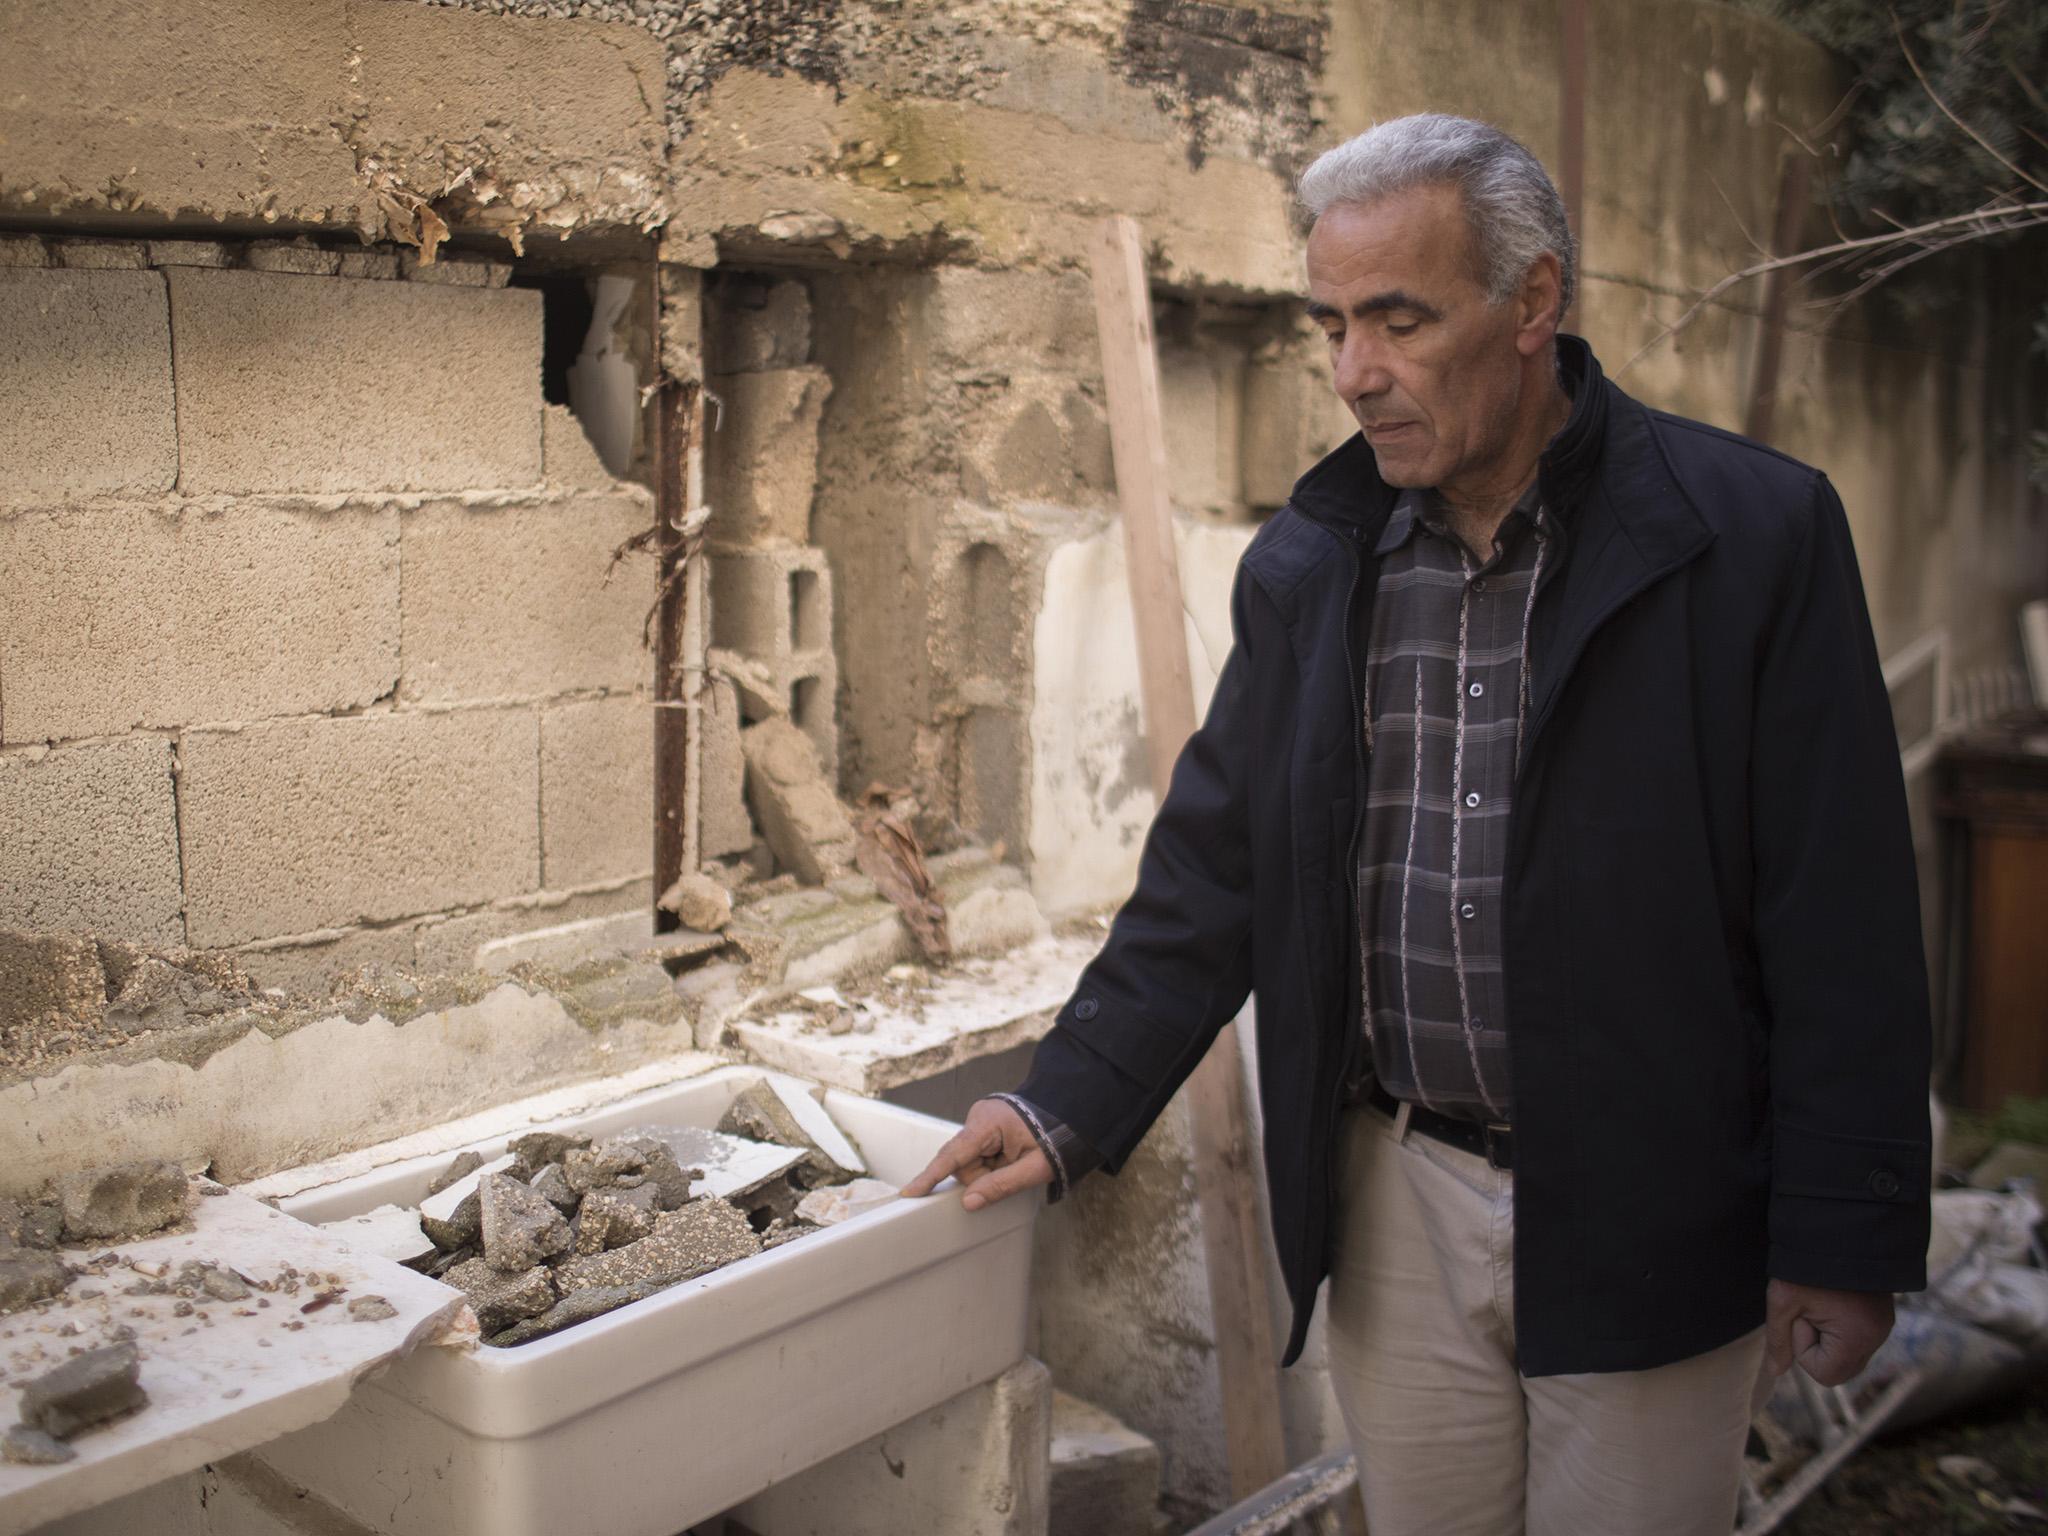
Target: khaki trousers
{"x":1451,"y":1439}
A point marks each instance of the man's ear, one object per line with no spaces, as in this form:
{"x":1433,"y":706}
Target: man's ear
{"x":1538,"y":312}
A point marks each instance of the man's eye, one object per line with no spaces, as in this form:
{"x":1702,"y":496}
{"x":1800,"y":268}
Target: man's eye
{"x":1403,"y":327}
{"x":1333,"y":337}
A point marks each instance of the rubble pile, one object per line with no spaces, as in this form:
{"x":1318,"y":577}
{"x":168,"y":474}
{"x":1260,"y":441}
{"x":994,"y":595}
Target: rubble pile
{"x":561,"y":1229}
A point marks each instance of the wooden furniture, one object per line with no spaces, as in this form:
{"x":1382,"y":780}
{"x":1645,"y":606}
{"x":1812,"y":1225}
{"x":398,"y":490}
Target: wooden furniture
{"x":1993,"y":786}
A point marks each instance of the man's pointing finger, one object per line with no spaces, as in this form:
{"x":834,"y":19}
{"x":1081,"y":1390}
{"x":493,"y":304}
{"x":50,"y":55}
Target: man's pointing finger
{"x":966,"y":1146}
{"x":1026,"y":1172}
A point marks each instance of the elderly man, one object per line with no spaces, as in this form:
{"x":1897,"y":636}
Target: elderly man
{"x":1550,"y":806}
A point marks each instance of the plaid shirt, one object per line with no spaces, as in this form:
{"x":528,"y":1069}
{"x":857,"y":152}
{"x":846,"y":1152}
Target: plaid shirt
{"x":1445,"y":708}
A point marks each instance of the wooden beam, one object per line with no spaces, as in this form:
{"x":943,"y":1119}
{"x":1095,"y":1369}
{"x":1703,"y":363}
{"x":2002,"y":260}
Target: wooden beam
{"x":1224,"y":1158}
{"x":1793,"y":192}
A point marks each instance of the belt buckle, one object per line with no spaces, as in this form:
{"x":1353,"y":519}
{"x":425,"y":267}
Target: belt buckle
{"x":1500,"y":1145}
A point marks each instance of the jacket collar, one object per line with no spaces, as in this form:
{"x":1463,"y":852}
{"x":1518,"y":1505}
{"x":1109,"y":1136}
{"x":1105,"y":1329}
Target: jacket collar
{"x":1607,"y":478}
{"x":1345,"y":486}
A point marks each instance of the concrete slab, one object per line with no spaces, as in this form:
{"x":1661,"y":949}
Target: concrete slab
{"x":1105,"y":1475}
{"x":89,"y":841}
{"x":918,"y":1027}
{"x":222,"y":1377}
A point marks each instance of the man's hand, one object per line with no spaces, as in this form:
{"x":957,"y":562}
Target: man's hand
{"x":994,"y":1155}
{"x":1832,"y":1334}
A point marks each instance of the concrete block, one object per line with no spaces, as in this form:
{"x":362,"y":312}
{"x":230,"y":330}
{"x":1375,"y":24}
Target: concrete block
{"x":1105,"y":1475}
{"x":302,"y":257}
{"x":568,"y":457}
{"x":976,"y":1465}
{"x":1200,"y":427}
{"x":761,"y":325}
{"x":567,"y":946}
{"x":141,"y":616}
{"x":85,"y":384}
{"x":315,"y":824}
{"x":1013,"y":319}
{"x":1292,"y":417}
{"x":89,"y":841}
{"x":596,"y":791}
{"x":454,"y":271}
{"x":165,"y":107}
{"x":515,"y":601}
{"x":725,"y":828}
{"x":100,"y":255}
{"x":763,"y":459}
{"x":799,"y":812}
{"x":457,"y":943}
{"x":189,"y":253}
{"x":23,"y":251}
{"x":313,"y":966}
{"x":289,"y":383}
{"x":771,"y":604}
{"x":562,"y":120}
{"x":379,"y":264}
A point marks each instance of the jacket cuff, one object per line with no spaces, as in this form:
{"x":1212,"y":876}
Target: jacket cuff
{"x":1848,"y":1213}
{"x":1071,"y":1157}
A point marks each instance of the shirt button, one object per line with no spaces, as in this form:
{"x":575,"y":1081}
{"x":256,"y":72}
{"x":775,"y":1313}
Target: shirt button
{"x":1884,"y":1184}
{"x":1086,"y":1009}
{"x":1472,"y":799}
{"x":1477,"y":690}
{"x":1468,"y":911}
{"x":1478,"y":583}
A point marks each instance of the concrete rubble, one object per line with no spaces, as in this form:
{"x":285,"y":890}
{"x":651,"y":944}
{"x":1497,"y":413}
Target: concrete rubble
{"x":560,"y":1228}
{"x":99,"y":1385}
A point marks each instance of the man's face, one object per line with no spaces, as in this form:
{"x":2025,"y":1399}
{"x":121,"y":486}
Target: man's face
{"x":1430,"y":368}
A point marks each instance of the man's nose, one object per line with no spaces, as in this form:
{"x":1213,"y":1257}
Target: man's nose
{"x":1361,"y":370}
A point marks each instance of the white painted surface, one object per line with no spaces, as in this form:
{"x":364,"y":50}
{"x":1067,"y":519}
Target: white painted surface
{"x":1091,"y":792}
{"x":676,"y":1407}
{"x":973,"y":1008}
{"x":217,"y":1386}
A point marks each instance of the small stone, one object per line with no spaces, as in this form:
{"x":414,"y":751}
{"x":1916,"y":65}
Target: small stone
{"x":612,"y":1218}
{"x":699,"y":902}
{"x":27,"y":1278}
{"x":577,"y":1307}
{"x":552,"y":1185}
{"x":42,"y":1226}
{"x":99,"y":1385}
{"x":371,"y":1309}
{"x":125,"y":1200}
{"x":520,"y":1228}
{"x":465,"y":1164}
{"x":845,"y":1201}
{"x":661,"y":1169}
{"x":464,"y":1228}
{"x":598,"y":1166}
{"x":537,"y":1149}
{"x":32,"y":1448}
{"x":499,"y":1299}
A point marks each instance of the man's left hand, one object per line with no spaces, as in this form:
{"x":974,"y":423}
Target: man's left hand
{"x":1832,"y":1334}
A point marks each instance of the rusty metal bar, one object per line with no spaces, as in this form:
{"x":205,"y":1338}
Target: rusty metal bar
{"x":678,"y":420}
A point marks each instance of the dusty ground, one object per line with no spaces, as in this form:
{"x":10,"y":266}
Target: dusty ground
{"x":1895,"y":1487}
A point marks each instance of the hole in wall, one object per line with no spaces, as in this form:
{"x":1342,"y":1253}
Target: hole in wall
{"x":805,"y":700}
{"x":596,"y":350}
{"x":806,"y":613}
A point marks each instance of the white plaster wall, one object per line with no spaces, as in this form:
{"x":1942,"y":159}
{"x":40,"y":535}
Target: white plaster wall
{"x":1091,"y":784}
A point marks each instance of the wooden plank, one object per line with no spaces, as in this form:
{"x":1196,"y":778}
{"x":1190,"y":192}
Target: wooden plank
{"x":1224,"y":1159}
{"x":1761,"y":415}
{"x":1313,"y":1486}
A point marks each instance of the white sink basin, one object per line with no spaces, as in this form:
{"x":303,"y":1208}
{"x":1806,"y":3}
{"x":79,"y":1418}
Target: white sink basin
{"x":674,"y":1408}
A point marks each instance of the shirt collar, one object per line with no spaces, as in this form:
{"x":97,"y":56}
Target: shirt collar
{"x":1415,"y":508}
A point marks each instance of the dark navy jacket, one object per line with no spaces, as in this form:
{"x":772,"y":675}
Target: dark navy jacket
{"x":1717,"y":1001}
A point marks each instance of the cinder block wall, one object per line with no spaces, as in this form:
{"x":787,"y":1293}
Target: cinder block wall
{"x":309,"y":647}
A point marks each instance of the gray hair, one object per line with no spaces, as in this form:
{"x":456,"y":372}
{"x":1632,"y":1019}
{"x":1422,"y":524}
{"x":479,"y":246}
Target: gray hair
{"x":1510,"y":202}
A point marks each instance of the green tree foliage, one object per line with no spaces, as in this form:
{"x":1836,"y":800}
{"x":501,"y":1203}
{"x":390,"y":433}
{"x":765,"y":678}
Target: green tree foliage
{"x":1947,"y":115}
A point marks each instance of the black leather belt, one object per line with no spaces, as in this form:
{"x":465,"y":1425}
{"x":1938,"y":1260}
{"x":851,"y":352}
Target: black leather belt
{"x":1495,"y":1143}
